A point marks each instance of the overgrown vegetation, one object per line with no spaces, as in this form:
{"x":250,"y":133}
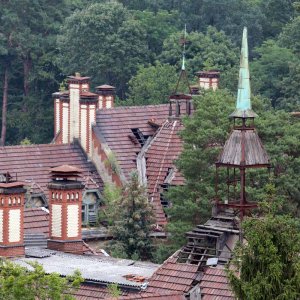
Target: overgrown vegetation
{"x":122,"y":42}
{"x":18,"y":283}
{"x":267,"y":266}
{"x":132,"y":220}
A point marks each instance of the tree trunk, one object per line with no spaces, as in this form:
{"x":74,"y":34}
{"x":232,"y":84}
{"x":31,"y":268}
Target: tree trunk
{"x":4,"y":107}
{"x":26,"y":69}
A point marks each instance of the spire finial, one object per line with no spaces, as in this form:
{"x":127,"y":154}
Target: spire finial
{"x":243,"y":102}
{"x":183,"y":54}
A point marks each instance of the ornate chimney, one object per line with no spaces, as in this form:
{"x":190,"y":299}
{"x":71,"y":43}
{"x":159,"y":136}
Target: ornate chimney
{"x":243,"y":150}
{"x":65,"y":201}
{"x":106,"y":96}
{"x":12,"y":199}
{"x":208,"y":79}
{"x":75,"y":112}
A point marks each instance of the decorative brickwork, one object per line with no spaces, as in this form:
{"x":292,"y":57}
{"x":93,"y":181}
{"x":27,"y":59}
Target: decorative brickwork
{"x":65,"y":201}
{"x":208,"y":79}
{"x":106,"y":96}
{"x":12,"y":219}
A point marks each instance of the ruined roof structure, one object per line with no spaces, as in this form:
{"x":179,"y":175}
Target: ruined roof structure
{"x":125,"y":130}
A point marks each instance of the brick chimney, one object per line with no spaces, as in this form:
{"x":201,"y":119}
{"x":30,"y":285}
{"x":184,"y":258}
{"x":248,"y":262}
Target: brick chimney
{"x":65,"y":201}
{"x":75,"y":112}
{"x":208,"y":79}
{"x":106,"y":96}
{"x":12,"y":195}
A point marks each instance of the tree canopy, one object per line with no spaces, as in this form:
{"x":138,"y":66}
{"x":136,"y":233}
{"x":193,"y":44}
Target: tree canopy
{"x":268,"y":263}
{"x":113,"y":41}
{"x":204,"y":136}
{"x":18,"y":283}
{"x":132,"y":222}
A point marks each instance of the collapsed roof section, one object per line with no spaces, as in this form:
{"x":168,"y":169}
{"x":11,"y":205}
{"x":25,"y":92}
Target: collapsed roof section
{"x":125,"y":130}
{"x":156,"y":165}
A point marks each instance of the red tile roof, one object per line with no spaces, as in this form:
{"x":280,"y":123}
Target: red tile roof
{"x":214,"y":285}
{"x":173,"y":276}
{"x":32,"y":163}
{"x":115,"y":126}
{"x":97,"y":292}
{"x":36,"y":220}
{"x":160,"y":155}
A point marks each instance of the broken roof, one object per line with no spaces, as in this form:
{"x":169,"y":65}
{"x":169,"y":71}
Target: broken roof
{"x":160,"y":155}
{"x":31,"y":164}
{"x":125,"y":129}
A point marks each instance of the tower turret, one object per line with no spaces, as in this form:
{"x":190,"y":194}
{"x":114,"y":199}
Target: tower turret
{"x":243,"y":149}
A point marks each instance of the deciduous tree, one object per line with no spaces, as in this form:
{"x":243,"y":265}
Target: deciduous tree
{"x":21,"y":283}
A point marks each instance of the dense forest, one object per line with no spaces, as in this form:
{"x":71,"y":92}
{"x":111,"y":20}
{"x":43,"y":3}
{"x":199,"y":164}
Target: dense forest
{"x":135,"y":46}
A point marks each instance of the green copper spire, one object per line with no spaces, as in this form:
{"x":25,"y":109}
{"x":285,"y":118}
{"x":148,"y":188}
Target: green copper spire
{"x":243,"y":102}
{"x":183,"y":54}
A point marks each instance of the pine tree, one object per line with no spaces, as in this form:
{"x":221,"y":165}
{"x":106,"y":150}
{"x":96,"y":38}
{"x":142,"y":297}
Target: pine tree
{"x":133,"y":219}
{"x":269,"y":263}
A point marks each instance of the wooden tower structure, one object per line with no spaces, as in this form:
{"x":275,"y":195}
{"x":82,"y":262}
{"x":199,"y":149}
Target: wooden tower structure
{"x":243,"y":149}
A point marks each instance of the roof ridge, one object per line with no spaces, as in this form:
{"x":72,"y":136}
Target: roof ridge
{"x":36,"y":145}
{"x":133,"y":107}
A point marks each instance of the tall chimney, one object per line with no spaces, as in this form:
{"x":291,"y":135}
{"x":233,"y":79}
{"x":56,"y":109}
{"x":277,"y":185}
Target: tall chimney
{"x":106,"y":96}
{"x":65,"y":201}
{"x":12,"y":199}
{"x":75,"y":112}
{"x":208,"y":79}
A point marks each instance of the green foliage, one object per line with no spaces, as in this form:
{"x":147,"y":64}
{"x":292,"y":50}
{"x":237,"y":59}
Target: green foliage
{"x":212,"y":50}
{"x":133,"y":219}
{"x":114,"y":290}
{"x":111,"y":162}
{"x":25,"y":141}
{"x":159,"y":26}
{"x":17,"y":283}
{"x":204,"y":136}
{"x":269,"y":263}
{"x":100,"y":41}
{"x":111,"y":197}
{"x":152,"y":85}
{"x":270,"y":70}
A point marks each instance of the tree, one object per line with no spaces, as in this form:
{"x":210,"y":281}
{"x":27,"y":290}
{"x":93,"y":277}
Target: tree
{"x":27,"y":53}
{"x":269,"y":69}
{"x":158,"y":26}
{"x":105,"y":42}
{"x":133,"y":219}
{"x":152,"y":85}
{"x":18,"y":283}
{"x":268,"y":263}
{"x":212,"y":50}
{"x":204,"y":136}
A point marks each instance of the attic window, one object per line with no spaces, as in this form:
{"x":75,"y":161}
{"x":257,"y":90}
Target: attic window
{"x":139,"y":136}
